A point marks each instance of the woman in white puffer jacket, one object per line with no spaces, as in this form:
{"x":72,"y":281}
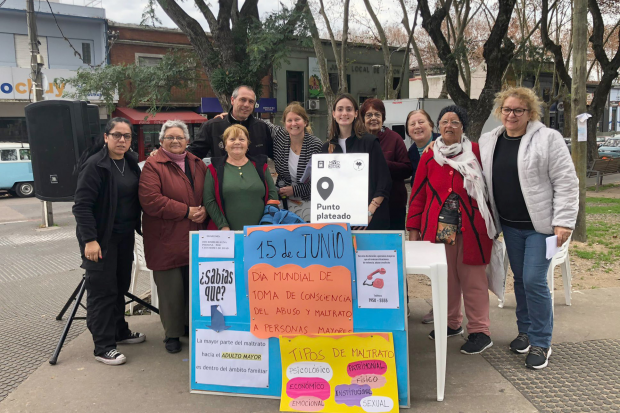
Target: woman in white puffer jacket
{"x":534,"y":194}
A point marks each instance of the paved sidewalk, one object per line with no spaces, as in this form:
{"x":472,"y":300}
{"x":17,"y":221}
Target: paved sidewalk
{"x":154,"y":381}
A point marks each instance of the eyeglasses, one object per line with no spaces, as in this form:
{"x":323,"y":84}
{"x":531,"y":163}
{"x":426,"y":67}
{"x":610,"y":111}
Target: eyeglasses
{"x":517,"y":112}
{"x":174,"y":138}
{"x":370,"y":115}
{"x":117,"y":136}
{"x":453,"y":123}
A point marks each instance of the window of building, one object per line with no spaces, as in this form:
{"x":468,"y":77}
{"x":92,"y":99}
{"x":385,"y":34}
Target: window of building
{"x":8,"y":155}
{"x":148,"y":60}
{"x":22,"y":50}
{"x":334,"y":84}
{"x":24,"y":154}
{"x":295,"y":86}
{"x":13,"y":130}
{"x":86,"y":55}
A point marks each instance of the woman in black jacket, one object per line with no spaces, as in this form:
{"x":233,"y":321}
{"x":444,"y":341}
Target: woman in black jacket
{"x":347,"y":134}
{"x":107,"y":212}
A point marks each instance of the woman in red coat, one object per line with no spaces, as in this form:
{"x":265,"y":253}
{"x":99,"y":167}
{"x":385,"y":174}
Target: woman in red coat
{"x":170,"y":193}
{"x":449,"y":205}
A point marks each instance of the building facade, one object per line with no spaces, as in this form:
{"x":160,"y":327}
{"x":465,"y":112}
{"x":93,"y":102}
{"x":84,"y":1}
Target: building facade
{"x":84,"y":29}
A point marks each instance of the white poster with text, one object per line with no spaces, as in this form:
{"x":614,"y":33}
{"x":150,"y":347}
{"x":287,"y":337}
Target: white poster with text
{"x":340,"y":188}
{"x":216,"y":244}
{"x":377,"y":279}
{"x":217,"y":287}
{"x":231,"y":358}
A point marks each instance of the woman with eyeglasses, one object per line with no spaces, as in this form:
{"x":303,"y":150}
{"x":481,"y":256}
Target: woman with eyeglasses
{"x":372,"y":112}
{"x":449,"y":205}
{"x":171,"y":188}
{"x":107,"y":212}
{"x":534,"y":194}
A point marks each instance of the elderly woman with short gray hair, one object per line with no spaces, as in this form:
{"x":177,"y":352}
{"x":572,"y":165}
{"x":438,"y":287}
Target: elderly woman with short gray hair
{"x":170,"y":191}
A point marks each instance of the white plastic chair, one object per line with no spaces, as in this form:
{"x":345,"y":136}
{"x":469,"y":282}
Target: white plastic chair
{"x":139,"y":264}
{"x":560,"y":258}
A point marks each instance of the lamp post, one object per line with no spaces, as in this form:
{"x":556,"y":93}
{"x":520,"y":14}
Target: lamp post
{"x":386,"y":83}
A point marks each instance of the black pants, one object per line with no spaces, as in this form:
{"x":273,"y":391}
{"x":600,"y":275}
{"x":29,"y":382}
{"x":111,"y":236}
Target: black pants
{"x":105,"y":300}
{"x":397,"y":218}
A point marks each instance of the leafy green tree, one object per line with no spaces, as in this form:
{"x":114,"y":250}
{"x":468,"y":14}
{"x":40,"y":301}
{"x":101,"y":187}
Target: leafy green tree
{"x":137,"y":85}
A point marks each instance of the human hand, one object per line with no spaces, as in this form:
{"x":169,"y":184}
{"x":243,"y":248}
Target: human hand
{"x":286,"y":191}
{"x":200,"y":215}
{"x":225,"y":229}
{"x":153,"y":152}
{"x":429,"y":147}
{"x":92,"y":251}
{"x":221,"y":115}
{"x":414,"y":235}
{"x":563,"y":234}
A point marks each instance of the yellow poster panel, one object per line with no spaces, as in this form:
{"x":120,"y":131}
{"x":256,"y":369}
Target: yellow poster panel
{"x":339,"y":373}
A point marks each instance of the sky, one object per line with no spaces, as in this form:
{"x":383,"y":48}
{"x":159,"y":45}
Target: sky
{"x":123,"y":11}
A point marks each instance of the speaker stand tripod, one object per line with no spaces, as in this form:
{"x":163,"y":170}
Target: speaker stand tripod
{"x":77,"y":295}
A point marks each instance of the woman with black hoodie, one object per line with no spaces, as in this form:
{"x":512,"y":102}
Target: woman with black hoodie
{"x":107,"y":212}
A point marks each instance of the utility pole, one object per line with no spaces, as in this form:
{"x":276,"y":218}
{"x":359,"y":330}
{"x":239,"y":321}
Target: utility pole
{"x":36,"y":62}
{"x":578,"y":103}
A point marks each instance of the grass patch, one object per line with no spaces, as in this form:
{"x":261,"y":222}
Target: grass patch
{"x":602,"y":206}
{"x":586,"y":255}
{"x":601,"y":187}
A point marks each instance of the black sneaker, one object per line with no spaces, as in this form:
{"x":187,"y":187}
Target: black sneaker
{"x":521,"y":344}
{"x":538,"y":358}
{"x":451,"y":333}
{"x":112,"y":357}
{"x":173,"y":345}
{"x":132,"y":338}
{"x":476,"y":343}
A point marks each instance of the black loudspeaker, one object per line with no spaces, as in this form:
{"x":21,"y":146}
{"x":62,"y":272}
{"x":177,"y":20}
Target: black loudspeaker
{"x":93,"y":122}
{"x":58,"y":132}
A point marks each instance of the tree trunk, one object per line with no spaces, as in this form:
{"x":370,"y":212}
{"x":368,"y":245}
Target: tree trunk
{"x":578,"y":96}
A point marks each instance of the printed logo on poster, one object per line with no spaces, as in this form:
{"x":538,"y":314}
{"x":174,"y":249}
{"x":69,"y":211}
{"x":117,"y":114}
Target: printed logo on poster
{"x":340,"y":191}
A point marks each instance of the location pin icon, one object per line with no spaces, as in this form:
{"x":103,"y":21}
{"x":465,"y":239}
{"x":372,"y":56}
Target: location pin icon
{"x":325,"y":186}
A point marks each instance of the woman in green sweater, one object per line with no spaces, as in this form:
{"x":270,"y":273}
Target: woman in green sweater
{"x":237,"y":187}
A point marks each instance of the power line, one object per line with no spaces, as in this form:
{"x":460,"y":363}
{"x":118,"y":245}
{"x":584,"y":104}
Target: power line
{"x":112,"y":36}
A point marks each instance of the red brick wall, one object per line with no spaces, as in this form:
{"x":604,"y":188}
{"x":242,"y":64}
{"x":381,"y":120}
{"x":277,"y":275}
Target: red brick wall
{"x":126,"y":53}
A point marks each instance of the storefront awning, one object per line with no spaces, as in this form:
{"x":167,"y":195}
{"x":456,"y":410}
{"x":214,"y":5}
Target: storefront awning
{"x":140,"y":117}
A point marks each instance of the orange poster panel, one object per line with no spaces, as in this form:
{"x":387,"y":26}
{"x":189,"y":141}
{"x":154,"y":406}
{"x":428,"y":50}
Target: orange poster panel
{"x":291,"y":300}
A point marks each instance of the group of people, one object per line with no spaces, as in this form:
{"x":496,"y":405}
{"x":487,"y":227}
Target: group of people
{"x":519,"y":180}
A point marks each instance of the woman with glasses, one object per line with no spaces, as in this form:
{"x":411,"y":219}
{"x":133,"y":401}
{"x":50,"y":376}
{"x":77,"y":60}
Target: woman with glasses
{"x":171,"y":188}
{"x":533,"y":192}
{"x":347,"y":134}
{"x":395,"y":152}
{"x":107,"y":212}
{"x":449,"y":205}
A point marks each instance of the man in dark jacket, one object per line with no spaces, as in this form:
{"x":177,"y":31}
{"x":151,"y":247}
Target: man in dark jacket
{"x":209,"y":140}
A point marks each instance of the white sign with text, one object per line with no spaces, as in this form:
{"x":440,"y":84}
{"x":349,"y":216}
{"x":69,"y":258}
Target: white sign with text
{"x":217,"y":287}
{"x":231,"y":358}
{"x":340,"y":188}
{"x":377,"y":279}
{"x":216,"y":244}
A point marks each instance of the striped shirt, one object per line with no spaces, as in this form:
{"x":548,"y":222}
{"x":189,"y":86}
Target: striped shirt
{"x":281,"y":147}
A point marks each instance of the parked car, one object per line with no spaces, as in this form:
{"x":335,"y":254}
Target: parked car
{"x":600,"y":140}
{"x":610,"y":149}
{"x":16,"y":169}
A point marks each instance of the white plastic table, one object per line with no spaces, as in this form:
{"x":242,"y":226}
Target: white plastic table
{"x":423,"y":257}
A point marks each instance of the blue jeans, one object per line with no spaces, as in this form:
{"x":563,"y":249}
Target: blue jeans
{"x":527,"y":255}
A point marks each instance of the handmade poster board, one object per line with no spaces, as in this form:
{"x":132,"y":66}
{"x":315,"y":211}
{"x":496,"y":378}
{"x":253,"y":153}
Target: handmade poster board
{"x":365,"y":320}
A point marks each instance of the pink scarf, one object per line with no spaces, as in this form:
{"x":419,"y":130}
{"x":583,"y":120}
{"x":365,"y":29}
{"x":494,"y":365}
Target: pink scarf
{"x":179,"y":159}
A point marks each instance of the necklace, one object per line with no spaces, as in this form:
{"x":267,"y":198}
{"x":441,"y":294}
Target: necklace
{"x":509,"y":138}
{"x":119,"y":169}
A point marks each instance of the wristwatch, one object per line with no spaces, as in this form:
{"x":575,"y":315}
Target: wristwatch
{"x":370,"y":214}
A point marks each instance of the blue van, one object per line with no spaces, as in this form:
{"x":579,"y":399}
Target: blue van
{"x":16,"y":169}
